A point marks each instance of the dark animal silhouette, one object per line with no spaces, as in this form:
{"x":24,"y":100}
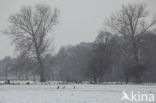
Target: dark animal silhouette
{"x":7,"y":82}
{"x":74,"y":87}
{"x":63,"y":87}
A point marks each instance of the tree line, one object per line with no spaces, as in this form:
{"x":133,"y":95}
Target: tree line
{"x":123,"y":52}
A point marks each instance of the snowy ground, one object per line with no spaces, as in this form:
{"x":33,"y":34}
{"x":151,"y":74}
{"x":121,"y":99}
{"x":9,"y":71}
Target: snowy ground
{"x":83,"y":93}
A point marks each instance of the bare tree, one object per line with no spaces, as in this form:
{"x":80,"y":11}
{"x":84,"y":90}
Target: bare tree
{"x":100,"y":56}
{"x":23,"y":66}
{"x":6,"y":66}
{"x":130,"y":23}
{"x":29,"y":29}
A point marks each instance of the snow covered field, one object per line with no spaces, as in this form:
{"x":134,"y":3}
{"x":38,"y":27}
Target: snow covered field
{"x":83,"y":93}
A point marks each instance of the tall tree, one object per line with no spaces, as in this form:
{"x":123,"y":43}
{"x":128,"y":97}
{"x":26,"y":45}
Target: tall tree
{"x":100,"y":56}
{"x":29,"y":28}
{"x":130,"y":23}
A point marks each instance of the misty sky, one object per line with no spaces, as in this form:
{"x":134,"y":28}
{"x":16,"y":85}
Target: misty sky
{"x":79,"y":20}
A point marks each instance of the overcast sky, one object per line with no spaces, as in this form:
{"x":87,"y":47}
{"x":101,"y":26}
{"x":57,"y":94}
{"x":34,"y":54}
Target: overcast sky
{"x":80,"y":20}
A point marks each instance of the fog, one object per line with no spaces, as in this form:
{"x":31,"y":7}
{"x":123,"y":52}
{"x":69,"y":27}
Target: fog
{"x":79,"y":20}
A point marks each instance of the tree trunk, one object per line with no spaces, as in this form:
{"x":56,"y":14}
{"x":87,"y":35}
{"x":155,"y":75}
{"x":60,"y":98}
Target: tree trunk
{"x":126,"y":78}
{"x":135,"y":52}
{"x":6,"y":74}
{"x":41,"y":67}
{"x":42,"y":77}
{"x":95,"y":80}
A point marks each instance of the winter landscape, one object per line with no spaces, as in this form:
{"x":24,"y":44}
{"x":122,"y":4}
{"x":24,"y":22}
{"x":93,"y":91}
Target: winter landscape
{"x":83,"y":93}
{"x":77,"y":51}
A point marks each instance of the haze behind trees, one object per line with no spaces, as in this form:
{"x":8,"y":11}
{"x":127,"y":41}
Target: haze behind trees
{"x":124,"y":51}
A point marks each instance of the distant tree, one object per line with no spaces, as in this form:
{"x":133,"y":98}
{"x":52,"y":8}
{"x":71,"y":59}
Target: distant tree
{"x":29,"y":29}
{"x":131,"y":71}
{"x":70,"y":62}
{"x":23,"y":66}
{"x":130,"y":23}
{"x":148,"y":55}
{"x":6,"y":66}
{"x":49,"y":67}
{"x":99,"y":59}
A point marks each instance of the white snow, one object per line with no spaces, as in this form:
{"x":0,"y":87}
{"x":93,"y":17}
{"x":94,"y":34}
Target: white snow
{"x":83,"y":93}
